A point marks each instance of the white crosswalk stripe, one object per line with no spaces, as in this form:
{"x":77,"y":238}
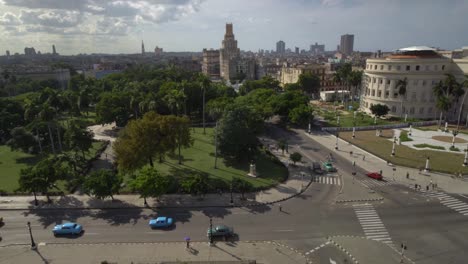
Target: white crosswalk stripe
{"x":371,"y":224}
{"x":449,"y":201}
{"x":327,"y":180}
{"x":372,"y":183}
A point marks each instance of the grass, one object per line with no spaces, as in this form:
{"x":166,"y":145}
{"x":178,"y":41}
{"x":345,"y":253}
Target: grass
{"x":406,"y":156}
{"x":11,"y":162}
{"x":404,"y":136}
{"x":200,"y":159}
{"x":428,"y":146}
{"x":454,"y":149}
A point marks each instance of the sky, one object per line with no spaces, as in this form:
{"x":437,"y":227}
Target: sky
{"x":119,"y":26}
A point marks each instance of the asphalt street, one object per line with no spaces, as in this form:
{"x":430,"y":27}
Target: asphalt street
{"x":433,"y":232}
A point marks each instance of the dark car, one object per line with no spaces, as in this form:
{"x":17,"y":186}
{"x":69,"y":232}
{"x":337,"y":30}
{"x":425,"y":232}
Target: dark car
{"x":220,"y":231}
{"x":375,"y":175}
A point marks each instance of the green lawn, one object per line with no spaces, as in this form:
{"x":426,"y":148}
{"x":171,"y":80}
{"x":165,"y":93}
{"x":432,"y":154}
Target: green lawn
{"x":405,"y":156}
{"x":11,"y":162}
{"x":200,"y":159}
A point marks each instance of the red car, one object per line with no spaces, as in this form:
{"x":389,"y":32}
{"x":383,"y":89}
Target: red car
{"x":375,"y":175}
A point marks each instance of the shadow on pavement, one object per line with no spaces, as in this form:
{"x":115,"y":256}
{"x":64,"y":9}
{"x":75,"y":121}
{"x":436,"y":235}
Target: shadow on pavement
{"x":217,"y":212}
{"x":49,"y":217}
{"x":129,"y":216}
{"x":44,"y":260}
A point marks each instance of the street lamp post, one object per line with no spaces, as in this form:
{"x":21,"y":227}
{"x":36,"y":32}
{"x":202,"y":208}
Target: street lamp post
{"x":302,"y":181}
{"x":403,"y":248}
{"x":393,"y":147}
{"x":336,"y":143}
{"x":33,"y":244}
{"x":410,"y":130}
{"x":211,"y":231}
{"x":426,"y":168}
{"x":309,"y":128}
{"x":354,"y":132}
{"x":454,"y":133}
{"x":394,"y":169}
{"x":465,"y":161}
{"x":232,"y":200}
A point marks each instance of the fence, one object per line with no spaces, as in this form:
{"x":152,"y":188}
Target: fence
{"x":390,"y":126}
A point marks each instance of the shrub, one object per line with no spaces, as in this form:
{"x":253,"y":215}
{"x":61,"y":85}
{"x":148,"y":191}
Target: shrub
{"x":428,"y":146}
{"x":404,"y":136}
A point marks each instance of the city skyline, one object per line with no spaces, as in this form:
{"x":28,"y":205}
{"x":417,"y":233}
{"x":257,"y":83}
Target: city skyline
{"x":87,"y":26}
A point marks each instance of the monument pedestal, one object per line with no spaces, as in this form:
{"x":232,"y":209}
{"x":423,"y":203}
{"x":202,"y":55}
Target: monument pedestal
{"x":253,"y":171}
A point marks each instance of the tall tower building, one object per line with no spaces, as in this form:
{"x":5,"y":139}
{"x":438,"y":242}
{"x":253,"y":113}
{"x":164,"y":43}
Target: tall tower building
{"x":228,"y":54}
{"x":54,"y":52}
{"x":142,"y":48}
{"x":280,"y":47}
{"x":8,"y":53}
{"x":347,"y":44}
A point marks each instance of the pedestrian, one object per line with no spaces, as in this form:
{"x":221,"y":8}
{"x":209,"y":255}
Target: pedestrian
{"x":407,"y":175}
{"x":363,"y":157}
{"x":351,"y":153}
{"x":106,"y":155}
{"x":280,"y":208}
{"x":427,"y":188}
{"x":381,"y":173}
{"x":415,"y":186}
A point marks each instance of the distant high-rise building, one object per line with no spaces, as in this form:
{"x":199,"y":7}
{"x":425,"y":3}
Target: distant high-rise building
{"x":347,"y":44}
{"x":297,"y":50}
{"x":280,"y":47}
{"x":29,"y":51}
{"x":54,"y":52}
{"x":158,"y":51}
{"x":8,"y":53}
{"x":228,"y":54}
{"x":142,"y":48}
{"x":317,"y":49}
{"x":210,"y":64}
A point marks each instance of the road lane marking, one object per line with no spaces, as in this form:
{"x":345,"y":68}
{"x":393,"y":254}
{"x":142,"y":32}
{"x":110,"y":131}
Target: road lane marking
{"x":371,"y":223}
{"x":283,"y":230}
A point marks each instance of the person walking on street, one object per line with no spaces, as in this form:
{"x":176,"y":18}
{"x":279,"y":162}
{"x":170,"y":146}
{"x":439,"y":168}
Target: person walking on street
{"x":364,"y":157}
{"x":407,"y":175}
{"x":280,"y":208}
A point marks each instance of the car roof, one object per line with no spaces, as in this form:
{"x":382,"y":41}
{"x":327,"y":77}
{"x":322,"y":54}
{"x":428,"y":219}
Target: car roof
{"x":161,"y":218}
{"x":221,"y":227}
{"x":69,"y":224}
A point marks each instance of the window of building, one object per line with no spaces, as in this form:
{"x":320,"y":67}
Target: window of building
{"x":417,"y":67}
{"x":423,"y":83}
{"x":411,"y":110}
{"x":403,"y":110}
{"x":413,"y":96}
{"x":393,"y":109}
{"x":367,"y":104}
{"x":389,"y":67}
{"x":373,"y":93}
{"x":408,"y":67}
{"x":398,"y":67}
{"x":443,"y":67}
{"x":423,"y":97}
{"x":429,"y":110}
{"x":379,"y":93}
{"x":421,"y":110}
{"x":380,"y":80}
{"x":395,"y":95}
{"x":381,"y":67}
{"x":388,"y":81}
{"x":427,"y":67}
{"x":375,"y":67}
{"x":433,"y":82}
{"x":387,"y":93}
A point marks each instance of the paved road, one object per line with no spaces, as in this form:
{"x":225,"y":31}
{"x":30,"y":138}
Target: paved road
{"x":434,"y":232}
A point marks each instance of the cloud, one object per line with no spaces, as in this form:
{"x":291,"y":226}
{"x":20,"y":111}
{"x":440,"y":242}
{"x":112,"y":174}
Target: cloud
{"x":112,"y":17}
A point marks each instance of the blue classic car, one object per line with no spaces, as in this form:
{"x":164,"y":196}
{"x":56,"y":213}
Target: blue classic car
{"x":161,"y":221}
{"x":67,"y":229}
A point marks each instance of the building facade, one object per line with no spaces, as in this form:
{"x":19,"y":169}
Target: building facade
{"x":210,"y":64}
{"x":422,"y":67}
{"x":347,"y":44}
{"x":317,"y":49}
{"x":280,"y":47}
{"x":290,"y":74}
{"x":228,"y":54}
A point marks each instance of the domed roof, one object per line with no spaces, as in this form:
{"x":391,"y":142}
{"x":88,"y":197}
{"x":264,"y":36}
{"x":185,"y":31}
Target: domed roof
{"x":417,"y":48}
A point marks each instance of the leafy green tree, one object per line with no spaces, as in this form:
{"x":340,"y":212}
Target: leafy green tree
{"x":195,"y":184}
{"x":309,"y":83}
{"x":78,"y":138}
{"x":180,"y":136}
{"x":290,"y":87}
{"x":216,"y":107}
{"x":260,"y":100}
{"x":447,"y":92}
{"x":295,"y":157}
{"x":401,"y":87}
{"x":242,"y":186}
{"x":113,"y":107}
{"x":102,"y":184}
{"x":150,"y":183}
{"x":355,"y":80}
{"x":22,"y":140}
{"x":238,"y":130}
{"x":379,"y":110}
{"x":285,"y":102}
{"x":30,"y":182}
{"x":282,"y":144}
{"x":11,"y":116}
{"x":301,"y":115}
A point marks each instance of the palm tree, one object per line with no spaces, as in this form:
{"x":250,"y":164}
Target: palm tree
{"x":175,"y":99}
{"x":401,"y":86}
{"x":204,"y":83}
{"x":465,"y":85}
{"x":336,"y":80}
{"x":446,"y":92}
{"x":47,"y":114}
{"x":355,"y":81}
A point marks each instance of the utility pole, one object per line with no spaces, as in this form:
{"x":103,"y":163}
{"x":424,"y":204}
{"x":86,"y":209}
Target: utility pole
{"x":33,"y":244}
{"x":211,"y":231}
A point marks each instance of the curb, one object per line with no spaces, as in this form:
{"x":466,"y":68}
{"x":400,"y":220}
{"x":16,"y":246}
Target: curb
{"x":290,"y":248}
{"x":353,"y":259}
{"x":360,"y":200}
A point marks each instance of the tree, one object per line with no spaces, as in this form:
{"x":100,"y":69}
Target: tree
{"x":283,"y":103}
{"x":282,"y":144}
{"x":465,"y":85}
{"x":238,"y":130}
{"x":43,"y":176}
{"x":78,"y":138}
{"x":113,"y":107}
{"x":11,"y":116}
{"x":301,"y":115}
{"x":447,"y":92}
{"x":181,"y":133}
{"x":260,"y":100}
{"x":309,"y":83}
{"x":175,"y":100}
{"x":295,"y":157}
{"x":290,"y":87}
{"x":379,"y":110}
{"x":355,"y":80}
{"x":401,"y":86}
{"x":205,"y":83}
{"x":22,"y":140}
{"x":195,"y":184}
{"x":242,"y":186}
{"x":150,"y":183}
{"x":102,"y":184}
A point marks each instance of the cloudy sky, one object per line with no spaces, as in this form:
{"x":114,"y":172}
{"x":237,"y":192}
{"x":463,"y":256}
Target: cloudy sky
{"x":118,"y":26}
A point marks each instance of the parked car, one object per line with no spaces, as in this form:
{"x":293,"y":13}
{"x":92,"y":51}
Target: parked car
{"x":220,"y":231}
{"x":375,"y":175}
{"x":329,"y":167}
{"x":67,"y":229}
{"x":161,"y":222}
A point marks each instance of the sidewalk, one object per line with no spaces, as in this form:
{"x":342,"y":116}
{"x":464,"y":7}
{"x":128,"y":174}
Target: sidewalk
{"x":221,"y":252}
{"x":374,"y":164}
{"x":288,"y":189}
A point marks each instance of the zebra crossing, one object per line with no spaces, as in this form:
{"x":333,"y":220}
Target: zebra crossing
{"x":327,"y":180}
{"x":371,"y":223}
{"x":372,"y":183}
{"x":449,"y":201}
